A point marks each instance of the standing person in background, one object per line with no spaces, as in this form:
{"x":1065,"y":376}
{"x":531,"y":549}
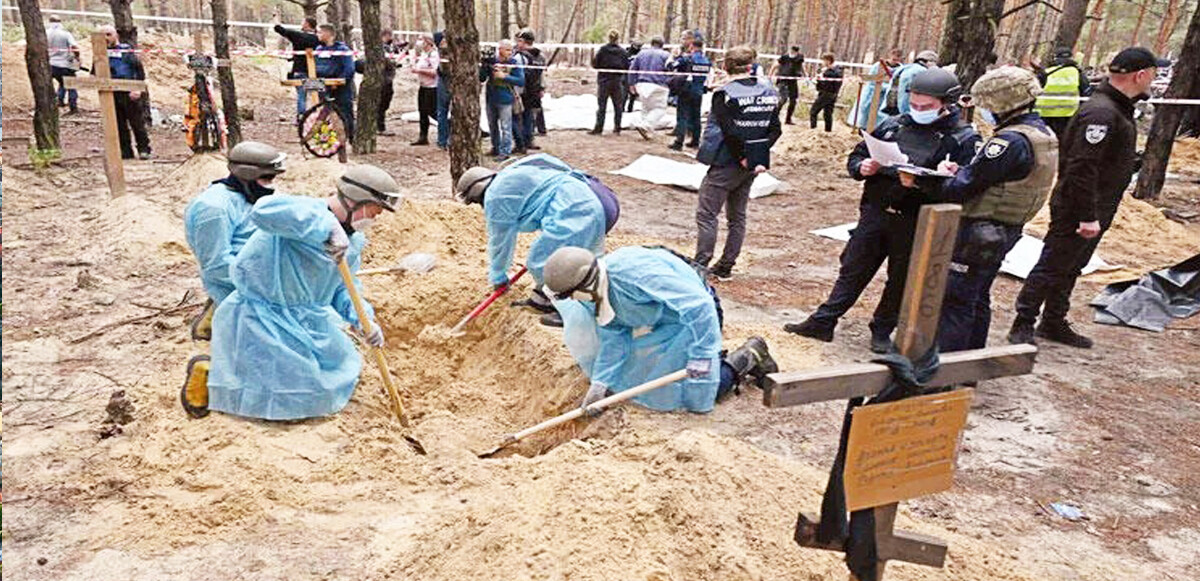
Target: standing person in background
{"x":610,"y":86}
{"x":426,"y":67}
{"x":337,"y":66}
{"x":391,"y":52}
{"x":828,"y":86}
{"x":301,"y":40}
{"x":443,"y":94}
{"x":789,"y":65}
{"x":742,"y":127}
{"x":635,"y":47}
{"x":124,"y":64}
{"x":502,"y":77}
{"x":897,"y":94}
{"x":531,"y":93}
{"x":887,"y":67}
{"x":1063,"y":83}
{"x":64,"y":62}
{"x":691,"y":93}
{"x":650,"y":84}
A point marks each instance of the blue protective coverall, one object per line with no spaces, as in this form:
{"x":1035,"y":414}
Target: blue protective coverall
{"x":217,"y":224}
{"x":665,"y":317}
{"x":863,"y":106}
{"x":539,"y":192}
{"x":904,"y":78}
{"x":278,"y":350}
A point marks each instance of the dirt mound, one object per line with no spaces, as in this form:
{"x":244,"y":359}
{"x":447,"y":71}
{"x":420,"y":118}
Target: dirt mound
{"x":1185,"y":157}
{"x":1141,"y":239}
{"x":807,"y":145}
{"x":167,"y":74}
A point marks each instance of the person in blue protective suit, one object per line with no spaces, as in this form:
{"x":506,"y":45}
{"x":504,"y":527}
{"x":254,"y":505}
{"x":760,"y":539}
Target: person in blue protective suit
{"x":638,"y":314}
{"x":860,"y":115}
{"x":932,"y":132}
{"x":538,"y":193}
{"x":337,"y":66}
{"x":898,"y":93}
{"x":1002,"y":188}
{"x":278,"y":350}
{"x":217,"y":222}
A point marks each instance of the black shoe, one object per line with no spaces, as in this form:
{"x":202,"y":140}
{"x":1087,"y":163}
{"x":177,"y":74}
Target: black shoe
{"x":677,"y":146}
{"x":616,"y":131}
{"x":494,"y":153}
{"x":551,"y":319}
{"x":722,"y":272}
{"x":520,"y":151}
{"x":693,"y":144}
{"x":595,"y":132}
{"x":881,"y":344}
{"x":538,"y":301}
{"x":420,"y":142}
{"x":1021,"y":332}
{"x":788,"y":122}
{"x":1061,"y":332}
{"x":812,"y":329}
{"x":534,"y":147}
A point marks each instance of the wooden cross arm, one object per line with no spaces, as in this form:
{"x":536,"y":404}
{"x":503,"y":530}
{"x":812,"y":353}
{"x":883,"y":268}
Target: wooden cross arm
{"x":104,"y":84}
{"x":866,"y":379}
{"x":900,"y":545}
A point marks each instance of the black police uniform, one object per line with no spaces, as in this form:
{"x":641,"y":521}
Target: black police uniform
{"x":789,"y":88}
{"x":1097,"y":158}
{"x":888,"y":215}
{"x":828,"y":87}
{"x":610,"y":86}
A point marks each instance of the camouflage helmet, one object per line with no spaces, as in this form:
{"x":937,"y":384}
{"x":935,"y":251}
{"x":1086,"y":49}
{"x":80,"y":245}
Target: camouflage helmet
{"x":1006,"y":89}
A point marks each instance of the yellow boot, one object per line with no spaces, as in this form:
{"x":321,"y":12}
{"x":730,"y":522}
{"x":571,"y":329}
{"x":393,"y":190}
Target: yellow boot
{"x":202,"y":326}
{"x":194,"y":395}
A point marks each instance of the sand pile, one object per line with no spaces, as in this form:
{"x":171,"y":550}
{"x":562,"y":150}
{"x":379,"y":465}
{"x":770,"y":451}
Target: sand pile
{"x":1141,"y":239}
{"x":801,"y":144}
{"x":1185,"y":157}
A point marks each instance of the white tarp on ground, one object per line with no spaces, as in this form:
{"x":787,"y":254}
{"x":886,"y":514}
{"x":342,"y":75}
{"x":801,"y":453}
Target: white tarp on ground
{"x":668,"y":172}
{"x":578,"y":112}
{"x":1019,"y":261}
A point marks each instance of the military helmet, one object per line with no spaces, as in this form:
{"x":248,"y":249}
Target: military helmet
{"x":936,"y":82}
{"x":364,"y":184}
{"x":472,"y":183}
{"x":928,"y":56}
{"x":1005,"y":89}
{"x":569,"y":269}
{"x":252,"y":160}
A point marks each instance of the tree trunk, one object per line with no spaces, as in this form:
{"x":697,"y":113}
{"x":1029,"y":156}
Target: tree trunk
{"x":233,"y":123}
{"x":669,"y":20}
{"x":969,"y":36}
{"x":1069,"y":27}
{"x":504,"y":31}
{"x":635,"y":5}
{"x":372,"y":86}
{"x":37,"y":63}
{"x":788,"y":17}
{"x":1093,"y":28}
{"x":1185,"y":83}
{"x":684,"y":8}
{"x":462,"y":39}
{"x":1169,"y":21}
{"x":1137,"y":28}
{"x":521,"y":15}
{"x":122,"y":11}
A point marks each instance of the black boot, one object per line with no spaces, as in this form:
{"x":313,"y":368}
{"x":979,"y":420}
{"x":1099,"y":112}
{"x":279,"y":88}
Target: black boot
{"x":881,"y":343}
{"x":1021,"y":332}
{"x":537,"y":301}
{"x":1060,"y":331}
{"x":812,"y":329}
{"x":551,"y":319}
{"x":678,"y":145}
{"x":753,"y":359}
{"x":595,"y":131}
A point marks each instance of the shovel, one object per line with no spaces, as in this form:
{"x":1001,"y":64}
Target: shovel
{"x":458,"y":329}
{"x":380,"y":361}
{"x":591,"y":409}
{"x":417,"y":263}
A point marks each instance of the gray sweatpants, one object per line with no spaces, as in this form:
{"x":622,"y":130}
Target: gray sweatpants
{"x":727,"y":186}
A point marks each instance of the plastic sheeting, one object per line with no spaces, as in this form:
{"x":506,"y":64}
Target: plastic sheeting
{"x":668,"y":172}
{"x":1153,"y":301}
{"x":578,"y":113}
{"x":1019,"y":261}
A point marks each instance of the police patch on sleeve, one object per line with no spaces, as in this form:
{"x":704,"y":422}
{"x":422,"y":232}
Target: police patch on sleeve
{"x":995,"y":148}
{"x":1095,"y":133}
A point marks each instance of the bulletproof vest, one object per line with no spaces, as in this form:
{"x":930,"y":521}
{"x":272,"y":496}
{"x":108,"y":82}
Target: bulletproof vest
{"x":1017,"y":202}
{"x":752,"y":107}
{"x":926,"y":146}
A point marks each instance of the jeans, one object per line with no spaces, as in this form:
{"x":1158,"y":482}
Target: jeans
{"x":526,"y":122}
{"x":301,"y":101}
{"x":500,"y":128}
{"x":1064,"y":255}
{"x":443,"y":114}
{"x":610,"y":89}
{"x":727,"y":186}
{"x":687,"y":118}
{"x":654,"y":105}
{"x":967,"y":307}
{"x":71,"y":95}
{"x":427,"y":110}
{"x":823,"y":104}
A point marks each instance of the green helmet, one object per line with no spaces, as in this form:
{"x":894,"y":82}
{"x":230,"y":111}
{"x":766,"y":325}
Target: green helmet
{"x":936,"y":82}
{"x":570,"y":269}
{"x":1006,"y":89}
{"x":367,"y":184}
{"x":472,"y":183}
{"x":251,"y":160}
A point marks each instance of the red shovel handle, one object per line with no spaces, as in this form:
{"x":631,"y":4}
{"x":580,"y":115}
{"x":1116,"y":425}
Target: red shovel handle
{"x":489,"y":300}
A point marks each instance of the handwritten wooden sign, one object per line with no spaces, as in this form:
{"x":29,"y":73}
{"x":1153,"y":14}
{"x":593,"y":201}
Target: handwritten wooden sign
{"x":904,"y":449}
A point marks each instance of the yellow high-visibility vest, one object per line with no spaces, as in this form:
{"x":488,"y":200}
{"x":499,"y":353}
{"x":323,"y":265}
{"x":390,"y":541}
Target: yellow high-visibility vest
{"x":1060,"y":96}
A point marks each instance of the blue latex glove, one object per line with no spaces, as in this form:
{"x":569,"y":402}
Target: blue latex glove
{"x":698,"y":368}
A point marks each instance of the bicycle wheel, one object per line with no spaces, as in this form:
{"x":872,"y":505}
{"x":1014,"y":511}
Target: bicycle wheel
{"x":322,"y":129}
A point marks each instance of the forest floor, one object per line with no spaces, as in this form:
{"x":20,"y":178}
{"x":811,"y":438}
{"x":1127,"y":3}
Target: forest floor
{"x":631,"y":495}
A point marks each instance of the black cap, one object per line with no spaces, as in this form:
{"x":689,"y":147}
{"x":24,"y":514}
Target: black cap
{"x":526,"y":35}
{"x":1134,"y":59}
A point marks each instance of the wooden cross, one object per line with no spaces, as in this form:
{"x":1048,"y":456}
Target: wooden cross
{"x":873,"y":112}
{"x":102,"y":81}
{"x":313,"y":85}
{"x":933,"y":247}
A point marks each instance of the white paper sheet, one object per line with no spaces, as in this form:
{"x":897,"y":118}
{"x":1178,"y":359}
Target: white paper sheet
{"x":887,"y":153}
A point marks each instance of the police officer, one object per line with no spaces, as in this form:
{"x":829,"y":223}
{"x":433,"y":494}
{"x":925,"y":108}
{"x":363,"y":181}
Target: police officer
{"x":1063,"y":83}
{"x":931,"y":132}
{"x":1002,"y":189}
{"x":1097,"y":157}
{"x":687,"y":114}
{"x":742,"y":126}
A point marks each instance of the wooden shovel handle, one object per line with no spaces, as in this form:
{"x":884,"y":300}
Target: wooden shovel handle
{"x":365,"y":324}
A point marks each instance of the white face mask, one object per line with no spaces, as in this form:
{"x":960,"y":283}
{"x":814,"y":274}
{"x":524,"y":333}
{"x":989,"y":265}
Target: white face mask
{"x":362,"y":225}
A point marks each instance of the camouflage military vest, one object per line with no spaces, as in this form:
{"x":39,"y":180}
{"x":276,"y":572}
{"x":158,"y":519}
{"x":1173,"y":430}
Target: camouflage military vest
{"x":1018,"y":201}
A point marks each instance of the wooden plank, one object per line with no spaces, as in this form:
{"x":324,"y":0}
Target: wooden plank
{"x":843,"y":382}
{"x":104,"y":84}
{"x":904,"y":449}
{"x":873,"y":111}
{"x":912,"y":548}
{"x":933,"y":246}
{"x":114,"y":168}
